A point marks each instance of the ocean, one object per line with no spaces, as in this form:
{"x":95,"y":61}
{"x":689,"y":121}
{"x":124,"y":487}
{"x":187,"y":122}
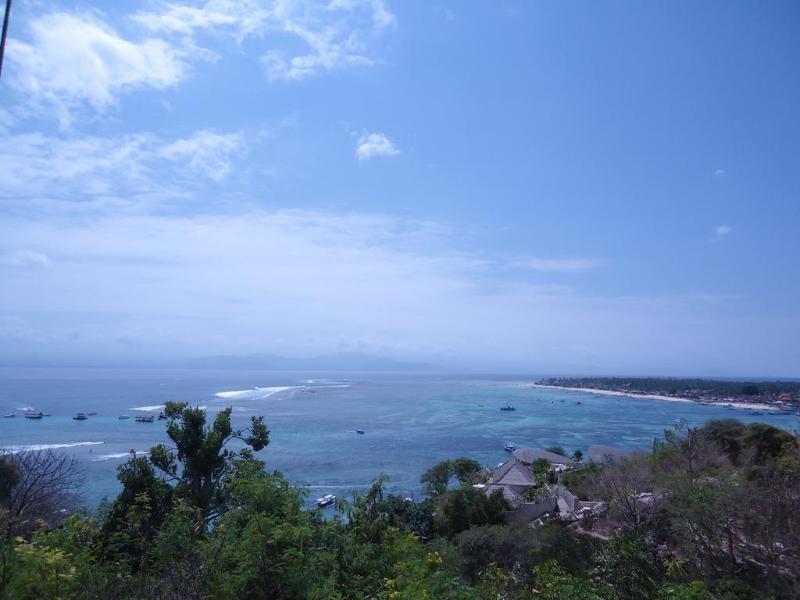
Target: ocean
{"x":410,"y":422}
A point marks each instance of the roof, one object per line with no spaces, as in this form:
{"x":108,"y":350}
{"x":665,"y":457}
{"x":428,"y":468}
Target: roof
{"x":512,"y":494}
{"x":529,"y":455}
{"x":513,"y":472}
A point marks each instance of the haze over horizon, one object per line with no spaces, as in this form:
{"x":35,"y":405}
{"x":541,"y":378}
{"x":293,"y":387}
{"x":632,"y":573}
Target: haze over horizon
{"x":559,"y":188}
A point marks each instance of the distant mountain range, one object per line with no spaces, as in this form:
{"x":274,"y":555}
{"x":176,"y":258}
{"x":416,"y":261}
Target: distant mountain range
{"x":344,"y":361}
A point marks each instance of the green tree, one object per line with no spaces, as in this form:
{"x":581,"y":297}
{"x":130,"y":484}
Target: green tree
{"x":200,"y":460}
{"x":436,"y":479}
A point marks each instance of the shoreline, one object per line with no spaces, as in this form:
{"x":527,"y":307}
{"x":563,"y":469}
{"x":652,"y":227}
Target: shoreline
{"x":738,"y":405}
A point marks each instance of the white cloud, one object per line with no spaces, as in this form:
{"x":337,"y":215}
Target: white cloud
{"x":559,"y":265}
{"x":24,"y":258}
{"x":72,"y":61}
{"x":370,"y":145}
{"x":719,"y":172}
{"x":206,"y":152}
{"x":334,"y":33}
{"x":312,"y":282}
{"x":74,"y":167}
{"x":721,"y":231}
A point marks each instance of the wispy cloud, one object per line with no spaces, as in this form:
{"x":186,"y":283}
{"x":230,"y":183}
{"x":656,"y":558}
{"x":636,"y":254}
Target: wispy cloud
{"x":445,"y":12}
{"x":24,"y":258}
{"x":73,"y":61}
{"x":334,"y":33}
{"x":370,"y":145}
{"x":320,"y":282}
{"x":206,"y":152}
{"x":721,"y":231}
{"x":559,"y":265}
{"x":719,"y":172}
{"x":73,"y":166}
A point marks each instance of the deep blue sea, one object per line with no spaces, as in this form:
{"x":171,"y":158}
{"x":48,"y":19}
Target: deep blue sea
{"x":410,"y":422}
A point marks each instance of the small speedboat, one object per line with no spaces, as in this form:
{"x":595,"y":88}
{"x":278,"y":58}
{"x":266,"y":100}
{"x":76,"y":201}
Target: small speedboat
{"x":360,"y":431}
{"x":510,"y":447}
{"x":145,"y":419}
{"x":507,"y":407}
{"x":80,"y":417}
{"x":123,"y":417}
{"x":326,"y":500}
{"x":9,"y":416}
{"x":33,"y":415}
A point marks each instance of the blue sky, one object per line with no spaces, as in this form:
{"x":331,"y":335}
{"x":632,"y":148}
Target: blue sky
{"x":606,"y":187}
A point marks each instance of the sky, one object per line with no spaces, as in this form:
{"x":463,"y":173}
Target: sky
{"x":550,"y":187}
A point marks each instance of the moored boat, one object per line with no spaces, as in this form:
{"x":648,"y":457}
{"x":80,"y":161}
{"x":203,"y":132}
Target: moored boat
{"x":145,"y":419}
{"x":123,"y":417}
{"x":507,"y":407}
{"x":30,"y":414}
{"x":80,"y":417}
{"x":510,"y":447}
{"x":326,"y":500}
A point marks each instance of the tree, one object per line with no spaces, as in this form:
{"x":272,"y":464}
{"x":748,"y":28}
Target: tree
{"x":552,"y":582}
{"x":577,"y":456}
{"x":200,"y":460}
{"x":437,"y":478}
{"x":458,"y":510}
{"x":41,"y":486}
{"x":493,"y":544}
{"x":137,"y":514}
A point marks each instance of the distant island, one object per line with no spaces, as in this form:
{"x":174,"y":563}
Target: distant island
{"x":769,"y":395}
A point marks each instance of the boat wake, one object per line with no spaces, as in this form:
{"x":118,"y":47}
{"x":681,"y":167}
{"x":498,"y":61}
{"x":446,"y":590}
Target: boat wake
{"x":15,"y":449}
{"x":105,"y":457}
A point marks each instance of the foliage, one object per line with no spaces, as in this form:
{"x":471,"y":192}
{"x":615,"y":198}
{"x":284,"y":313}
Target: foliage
{"x":458,"y":510}
{"x":710,"y":514}
{"x":436,"y":479}
{"x":201,"y":460}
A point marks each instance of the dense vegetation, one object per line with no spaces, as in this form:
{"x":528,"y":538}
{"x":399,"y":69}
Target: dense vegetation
{"x":681,"y":386}
{"x":711,"y":513}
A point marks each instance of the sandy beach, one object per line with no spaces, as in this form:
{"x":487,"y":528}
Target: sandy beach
{"x":741,"y":405}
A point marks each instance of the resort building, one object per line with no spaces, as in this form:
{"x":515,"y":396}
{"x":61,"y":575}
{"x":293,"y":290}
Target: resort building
{"x":531,"y":500}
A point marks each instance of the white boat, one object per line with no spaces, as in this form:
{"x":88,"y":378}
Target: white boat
{"x":33,"y":415}
{"x":80,"y":417}
{"x":9,"y":416}
{"x":147,"y":419}
{"x":326,"y":500}
{"x":510,"y":447}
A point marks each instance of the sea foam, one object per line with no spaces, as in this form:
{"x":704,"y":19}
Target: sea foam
{"x":15,"y":449}
{"x":255,"y":393}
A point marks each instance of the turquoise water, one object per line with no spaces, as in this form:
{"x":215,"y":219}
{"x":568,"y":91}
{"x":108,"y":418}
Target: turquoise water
{"x":410,"y":422}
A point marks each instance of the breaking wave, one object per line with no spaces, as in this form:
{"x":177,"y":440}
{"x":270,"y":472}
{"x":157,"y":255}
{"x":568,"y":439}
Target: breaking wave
{"x":14,"y":449}
{"x":256,"y":393}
